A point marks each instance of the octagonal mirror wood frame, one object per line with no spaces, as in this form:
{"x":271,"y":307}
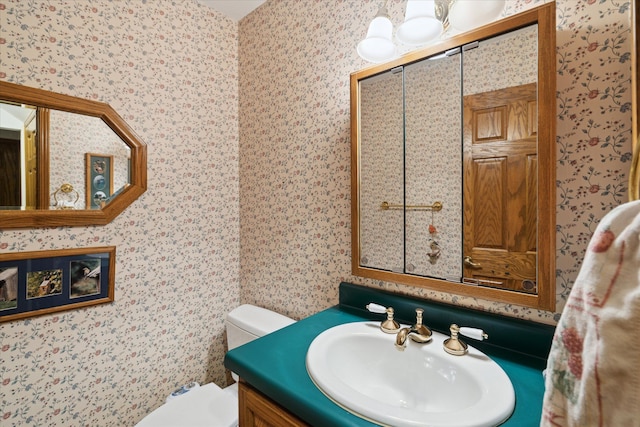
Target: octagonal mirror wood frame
{"x":43,"y":100}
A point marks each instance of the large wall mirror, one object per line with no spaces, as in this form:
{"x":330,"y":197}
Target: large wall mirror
{"x":453,"y":164}
{"x":65,"y":161}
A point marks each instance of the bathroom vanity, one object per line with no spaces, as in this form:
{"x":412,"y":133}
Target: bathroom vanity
{"x":258,"y":410}
{"x":275,"y":388}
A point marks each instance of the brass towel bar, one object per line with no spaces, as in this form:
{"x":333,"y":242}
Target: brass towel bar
{"x":435,"y":207}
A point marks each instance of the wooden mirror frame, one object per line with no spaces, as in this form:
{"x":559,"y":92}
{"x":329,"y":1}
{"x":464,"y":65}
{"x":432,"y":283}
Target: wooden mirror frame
{"x":74,"y":217}
{"x":545,"y":299}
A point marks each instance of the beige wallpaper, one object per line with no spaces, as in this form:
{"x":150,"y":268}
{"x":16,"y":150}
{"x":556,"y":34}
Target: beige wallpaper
{"x":249,"y":191}
{"x":170,"y":70}
{"x":294,"y":141}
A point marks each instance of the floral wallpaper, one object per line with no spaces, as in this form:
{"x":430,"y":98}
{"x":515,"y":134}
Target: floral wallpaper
{"x":294,"y":141}
{"x":381,"y":171}
{"x":249,"y":181}
{"x":170,"y":70}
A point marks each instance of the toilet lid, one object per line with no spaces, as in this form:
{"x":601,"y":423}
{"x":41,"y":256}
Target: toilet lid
{"x":205,"y":406}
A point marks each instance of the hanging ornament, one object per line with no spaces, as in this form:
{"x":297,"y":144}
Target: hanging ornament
{"x":435,"y":251}
{"x":432,"y":228}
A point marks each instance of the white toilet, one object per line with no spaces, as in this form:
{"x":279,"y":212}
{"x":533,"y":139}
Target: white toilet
{"x":209,"y":405}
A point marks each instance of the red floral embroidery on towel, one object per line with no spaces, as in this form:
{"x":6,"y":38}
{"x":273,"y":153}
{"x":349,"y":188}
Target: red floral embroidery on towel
{"x":572,"y":340}
{"x":575,"y":365}
{"x":553,"y":418}
{"x":601,"y":241}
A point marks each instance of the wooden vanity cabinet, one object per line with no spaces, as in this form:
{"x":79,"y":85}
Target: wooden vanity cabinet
{"x":257,"y":410}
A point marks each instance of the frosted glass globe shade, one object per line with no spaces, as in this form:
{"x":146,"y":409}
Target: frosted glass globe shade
{"x":420,"y":25}
{"x":378,"y":47}
{"x":465,"y":15}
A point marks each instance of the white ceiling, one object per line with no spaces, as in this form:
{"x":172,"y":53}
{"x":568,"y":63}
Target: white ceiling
{"x":234,"y":9}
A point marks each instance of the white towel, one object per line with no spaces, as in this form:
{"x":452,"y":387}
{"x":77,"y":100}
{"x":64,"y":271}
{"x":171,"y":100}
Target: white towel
{"x":593,"y":370}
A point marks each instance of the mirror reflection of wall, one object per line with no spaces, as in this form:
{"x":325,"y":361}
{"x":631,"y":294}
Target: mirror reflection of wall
{"x":433,"y":165}
{"x":503,"y":61}
{"x":71,"y":136}
{"x":382,"y":174}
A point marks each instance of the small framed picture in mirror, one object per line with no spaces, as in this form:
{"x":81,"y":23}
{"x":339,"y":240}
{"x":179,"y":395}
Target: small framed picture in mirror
{"x":99,"y":172}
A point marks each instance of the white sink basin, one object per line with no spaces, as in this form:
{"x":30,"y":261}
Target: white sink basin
{"x":358,"y":367}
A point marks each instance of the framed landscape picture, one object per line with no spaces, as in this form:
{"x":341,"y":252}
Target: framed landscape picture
{"x":42,"y":282}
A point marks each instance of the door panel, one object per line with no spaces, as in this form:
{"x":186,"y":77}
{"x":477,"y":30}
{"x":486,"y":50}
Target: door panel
{"x":500,"y":202}
{"x":10,"y":180}
{"x":31,"y":163}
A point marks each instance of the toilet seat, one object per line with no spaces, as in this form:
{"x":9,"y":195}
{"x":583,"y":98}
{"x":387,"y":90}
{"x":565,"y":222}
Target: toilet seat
{"x":205,"y":406}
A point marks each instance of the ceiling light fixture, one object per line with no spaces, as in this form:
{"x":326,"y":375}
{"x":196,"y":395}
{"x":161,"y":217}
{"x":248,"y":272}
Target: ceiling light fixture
{"x":425,"y":21}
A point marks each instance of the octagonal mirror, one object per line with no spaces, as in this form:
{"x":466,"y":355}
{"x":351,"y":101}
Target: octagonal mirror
{"x":65,"y":161}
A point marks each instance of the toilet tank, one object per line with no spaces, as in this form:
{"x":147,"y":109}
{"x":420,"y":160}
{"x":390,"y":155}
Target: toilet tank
{"x":249,"y":322}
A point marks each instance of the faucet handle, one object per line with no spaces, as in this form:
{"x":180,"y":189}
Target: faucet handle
{"x":376,"y":308}
{"x":476,"y":334}
{"x":457,"y":347}
{"x":453,"y":345}
{"x":389,"y":326}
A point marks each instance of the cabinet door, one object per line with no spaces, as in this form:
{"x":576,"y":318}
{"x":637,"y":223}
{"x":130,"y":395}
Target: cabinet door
{"x":500,"y":199}
{"x":256,"y":410}
{"x":433,"y":167}
{"x":382,"y":171}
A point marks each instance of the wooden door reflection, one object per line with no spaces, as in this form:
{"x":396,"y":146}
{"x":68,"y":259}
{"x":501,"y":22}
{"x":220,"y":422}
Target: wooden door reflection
{"x":500,"y":202}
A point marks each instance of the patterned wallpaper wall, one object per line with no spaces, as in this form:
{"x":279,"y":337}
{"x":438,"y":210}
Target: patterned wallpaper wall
{"x":381,"y":172}
{"x":170,"y":70}
{"x":263,"y":217}
{"x":295,"y":58}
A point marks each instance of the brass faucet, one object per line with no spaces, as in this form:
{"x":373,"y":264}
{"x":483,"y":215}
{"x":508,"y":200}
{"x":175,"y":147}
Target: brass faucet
{"x":418,"y":332}
{"x":455,"y":345}
{"x":389,"y":326}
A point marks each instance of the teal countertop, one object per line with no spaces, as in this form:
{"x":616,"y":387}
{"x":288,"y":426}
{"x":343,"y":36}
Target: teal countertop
{"x":275,"y":365}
